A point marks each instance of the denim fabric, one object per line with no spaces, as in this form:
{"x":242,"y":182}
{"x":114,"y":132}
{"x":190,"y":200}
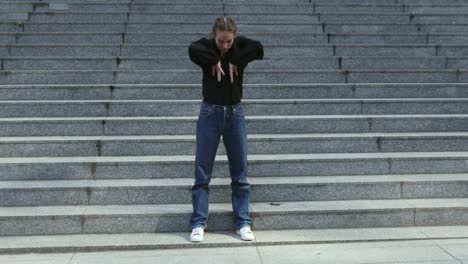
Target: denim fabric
{"x":213,"y":122}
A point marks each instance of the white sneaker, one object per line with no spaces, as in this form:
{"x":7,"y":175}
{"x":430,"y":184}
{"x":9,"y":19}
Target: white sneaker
{"x":197,"y":234}
{"x":245,"y":233}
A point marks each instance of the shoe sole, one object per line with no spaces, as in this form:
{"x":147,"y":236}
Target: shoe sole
{"x":196,"y":240}
{"x":244,"y":239}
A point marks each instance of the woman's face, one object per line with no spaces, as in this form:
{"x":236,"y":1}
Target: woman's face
{"x":224,"y":40}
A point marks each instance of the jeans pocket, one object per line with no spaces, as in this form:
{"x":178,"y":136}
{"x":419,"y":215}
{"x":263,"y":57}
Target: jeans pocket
{"x":239,"y":111}
{"x":206,"y":109}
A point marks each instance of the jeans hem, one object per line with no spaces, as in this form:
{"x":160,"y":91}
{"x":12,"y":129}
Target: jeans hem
{"x":241,"y":226}
{"x":198,"y":225}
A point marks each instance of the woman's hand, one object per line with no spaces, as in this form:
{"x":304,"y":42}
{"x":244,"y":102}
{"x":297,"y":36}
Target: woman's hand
{"x":218,"y":71}
{"x":232,"y":71}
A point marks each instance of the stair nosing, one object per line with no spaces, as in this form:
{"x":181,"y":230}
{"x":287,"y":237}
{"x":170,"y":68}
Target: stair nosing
{"x":24,"y":185}
{"x":296,"y":207}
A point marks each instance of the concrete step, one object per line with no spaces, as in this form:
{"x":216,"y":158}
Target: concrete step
{"x":266,"y":38}
{"x":277,"y":165}
{"x":14,"y":16}
{"x":426,"y":18}
{"x":157,"y":27}
{"x":428,"y":62}
{"x":364,"y":17}
{"x":160,"y":38}
{"x":238,"y":7}
{"x":219,"y":239}
{"x":215,"y":6}
{"x":419,"y":38}
{"x":288,"y":2}
{"x":413,"y":8}
{"x":185,"y":1}
{"x":375,"y":28}
{"x":191,"y":27}
{"x":364,"y":7}
{"x":145,"y":50}
{"x":179,"y":7}
{"x":263,"y":189}
{"x":402,"y":28}
{"x":269,"y":62}
{"x":242,"y":28}
{"x":148,"y":50}
{"x":340,"y":2}
{"x":440,"y":9}
{"x":118,"y":219}
{"x":245,"y":17}
{"x":400,"y":50}
{"x":439,"y":18}
{"x":252,"y":76}
{"x":443,"y":28}
{"x":243,"y":6}
{"x":282,"y":2}
{"x":170,"y":2}
{"x":167,"y":108}
{"x":204,"y":17}
{"x":83,"y":63}
{"x":183,"y":125}
{"x":251,"y":91}
{"x":258,"y":144}
{"x":426,"y":2}
{"x":10,"y":27}
{"x":15,"y":7}
{"x":291,"y":38}
{"x":61,"y":37}
{"x":393,"y":27}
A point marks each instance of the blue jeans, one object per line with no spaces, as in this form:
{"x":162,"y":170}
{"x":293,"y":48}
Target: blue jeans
{"x":214,"y":121}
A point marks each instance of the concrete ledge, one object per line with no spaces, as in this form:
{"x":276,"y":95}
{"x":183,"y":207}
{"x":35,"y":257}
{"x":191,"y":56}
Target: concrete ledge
{"x":251,"y":107}
{"x":254,"y":76}
{"x":144,"y":50}
{"x":183,"y":125}
{"x":258,"y":144}
{"x":268,"y":63}
{"x":245,"y":28}
{"x":273,"y":38}
{"x":147,"y":241}
{"x":287,"y":215}
{"x":152,"y":167}
{"x":252,"y":91}
{"x":263,"y":189}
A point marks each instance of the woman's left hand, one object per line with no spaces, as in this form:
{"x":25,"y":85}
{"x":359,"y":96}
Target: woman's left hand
{"x":232,"y":71}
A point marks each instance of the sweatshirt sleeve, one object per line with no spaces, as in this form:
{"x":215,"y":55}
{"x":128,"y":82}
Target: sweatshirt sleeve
{"x":201,"y":53}
{"x":246,"y":50}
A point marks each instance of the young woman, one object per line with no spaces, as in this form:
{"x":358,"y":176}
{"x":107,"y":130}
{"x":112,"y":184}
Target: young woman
{"x":223,"y":59}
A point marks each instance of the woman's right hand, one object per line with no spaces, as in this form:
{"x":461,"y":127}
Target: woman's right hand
{"x":218,"y":70}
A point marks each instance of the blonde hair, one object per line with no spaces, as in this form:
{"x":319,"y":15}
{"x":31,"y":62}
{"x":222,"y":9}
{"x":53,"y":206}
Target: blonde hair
{"x":223,"y":23}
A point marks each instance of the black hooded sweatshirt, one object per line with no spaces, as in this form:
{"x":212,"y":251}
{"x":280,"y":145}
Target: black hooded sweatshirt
{"x":205,"y":54}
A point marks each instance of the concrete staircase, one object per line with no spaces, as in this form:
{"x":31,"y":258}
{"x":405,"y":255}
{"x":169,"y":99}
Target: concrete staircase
{"x":357,"y":120}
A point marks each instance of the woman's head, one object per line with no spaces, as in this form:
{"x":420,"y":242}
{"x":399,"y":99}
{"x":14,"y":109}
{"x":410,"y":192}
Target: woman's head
{"x":224,"y":31}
